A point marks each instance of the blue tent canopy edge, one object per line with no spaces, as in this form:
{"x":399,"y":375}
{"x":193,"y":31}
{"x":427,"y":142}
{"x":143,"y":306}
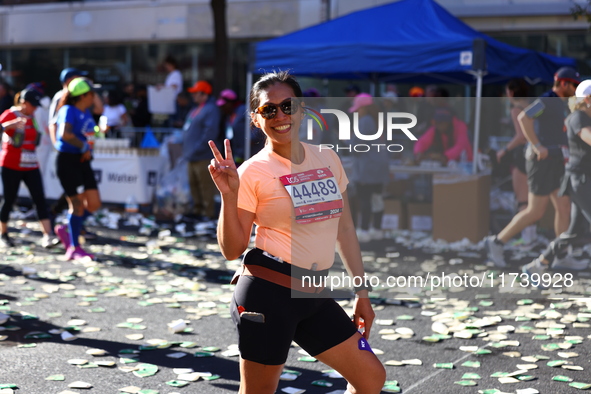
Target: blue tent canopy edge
{"x":410,"y":40}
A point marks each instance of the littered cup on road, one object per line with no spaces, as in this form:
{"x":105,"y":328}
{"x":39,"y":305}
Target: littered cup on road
{"x":67,"y":337}
{"x":177,"y":326}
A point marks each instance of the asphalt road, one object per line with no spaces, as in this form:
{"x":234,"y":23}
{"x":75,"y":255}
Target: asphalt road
{"x":185,"y":278}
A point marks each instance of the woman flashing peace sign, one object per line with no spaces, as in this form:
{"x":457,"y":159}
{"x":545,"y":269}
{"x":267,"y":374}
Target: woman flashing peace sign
{"x":296,"y":195}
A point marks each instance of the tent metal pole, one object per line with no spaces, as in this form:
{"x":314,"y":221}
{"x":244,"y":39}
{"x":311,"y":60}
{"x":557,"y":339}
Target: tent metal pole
{"x":247,"y":117}
{"x":477,"y":110}
{"x":374,"y":87}
{"x":467,"y":104}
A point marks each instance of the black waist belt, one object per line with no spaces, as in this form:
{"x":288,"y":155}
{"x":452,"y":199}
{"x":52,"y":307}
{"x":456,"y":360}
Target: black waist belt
{"x":262,"y":265}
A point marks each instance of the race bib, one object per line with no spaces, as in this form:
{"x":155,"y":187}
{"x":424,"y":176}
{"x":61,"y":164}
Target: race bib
{"x":315,"y":195}
{"x":28,"y":159}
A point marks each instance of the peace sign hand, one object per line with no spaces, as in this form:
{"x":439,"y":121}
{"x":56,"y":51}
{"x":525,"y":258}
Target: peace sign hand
{"x":223,"y":171}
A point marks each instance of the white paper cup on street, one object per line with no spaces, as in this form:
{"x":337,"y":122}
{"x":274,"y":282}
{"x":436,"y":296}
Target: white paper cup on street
{"x":177,"y":326}
{"x":29,"y":270}
{"x":164,"y":234}
{"x":66,"y":336}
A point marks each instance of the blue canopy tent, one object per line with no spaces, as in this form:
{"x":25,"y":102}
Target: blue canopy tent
{"x":410,"y":40}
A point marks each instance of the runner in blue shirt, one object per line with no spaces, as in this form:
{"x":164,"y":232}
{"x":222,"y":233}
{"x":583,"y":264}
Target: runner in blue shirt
{"x":74,"y":126}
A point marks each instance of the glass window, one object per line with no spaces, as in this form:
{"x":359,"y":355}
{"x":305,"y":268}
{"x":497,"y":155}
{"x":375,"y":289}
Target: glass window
{"x":107,"y":65}
{"x":570,"y":44}
{"x":34,"y":65}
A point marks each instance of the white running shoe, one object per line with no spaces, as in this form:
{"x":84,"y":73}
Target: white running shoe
{"x":376,"y":235}
{"x":49,"y":241}
{"x":538,"y":269}
{"x":363,"y":236}
{"x":569,"y":263}
{"x":494,"y":251}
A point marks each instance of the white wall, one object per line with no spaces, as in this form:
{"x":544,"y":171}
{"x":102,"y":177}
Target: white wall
{"x":137,"y":20}
{"x":169,"y":20}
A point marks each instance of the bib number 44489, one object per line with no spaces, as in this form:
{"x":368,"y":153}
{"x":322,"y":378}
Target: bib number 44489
{"x":315,"y":195}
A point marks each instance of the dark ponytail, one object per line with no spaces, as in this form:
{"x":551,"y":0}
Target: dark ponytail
{"x":67,"y":99}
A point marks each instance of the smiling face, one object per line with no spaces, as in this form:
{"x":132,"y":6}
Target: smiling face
{"x":282,"y":130}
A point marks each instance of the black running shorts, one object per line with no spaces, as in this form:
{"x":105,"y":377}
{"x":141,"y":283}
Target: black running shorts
{"x":315,"y":323}
{"x":75,"y":176}
{"x":544,"y":176}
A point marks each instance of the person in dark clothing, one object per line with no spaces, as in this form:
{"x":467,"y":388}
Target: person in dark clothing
{"x":141,"y":117}
{"x":576,"y":183}
{"x":513,"y":154}
{"x":542,"y":123}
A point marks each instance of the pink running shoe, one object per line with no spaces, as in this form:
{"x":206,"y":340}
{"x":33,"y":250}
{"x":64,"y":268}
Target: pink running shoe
{"x":76,"y":252}
{"x":63,"y":234}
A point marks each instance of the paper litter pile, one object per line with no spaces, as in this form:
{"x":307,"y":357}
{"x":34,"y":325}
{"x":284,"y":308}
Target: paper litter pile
{"x":151,"y":315}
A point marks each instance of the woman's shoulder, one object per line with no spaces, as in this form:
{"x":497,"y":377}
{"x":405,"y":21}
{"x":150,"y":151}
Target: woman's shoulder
{"x":322,"y":154}
{"x":578,"y":116}
{"x":7,"y":115}
{"x":258,"y":162}
{"x":261,"y":170}
{"x":67,"y":108}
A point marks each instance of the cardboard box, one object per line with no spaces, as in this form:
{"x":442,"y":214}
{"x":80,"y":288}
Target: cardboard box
{"x":394,"y":215}
{"x":420,"y":216}
{"x":397,"y":188}
{"x":461,"y":207}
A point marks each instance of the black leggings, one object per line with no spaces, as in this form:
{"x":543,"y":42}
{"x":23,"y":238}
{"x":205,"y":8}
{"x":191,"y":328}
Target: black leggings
{"x":579,"y":190}
{"x":365,"y":192}
{"x":11,"y":181}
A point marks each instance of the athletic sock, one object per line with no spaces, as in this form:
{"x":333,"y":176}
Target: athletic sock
{"x":85,"y":215}
{"x":74,"y":225}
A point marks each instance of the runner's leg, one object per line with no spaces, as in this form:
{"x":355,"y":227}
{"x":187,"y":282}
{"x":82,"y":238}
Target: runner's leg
{"x":34,"y":183}
{"x":362,"y":369}
{"x":258,"y":378}
{"x":535,"y":210}
{"x":11,"y":180}
{"x":562,"y":212}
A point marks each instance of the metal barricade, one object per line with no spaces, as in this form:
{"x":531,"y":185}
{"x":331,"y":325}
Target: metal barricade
{"x":141,"y":137}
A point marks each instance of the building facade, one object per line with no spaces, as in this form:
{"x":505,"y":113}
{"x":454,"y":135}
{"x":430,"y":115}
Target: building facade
{"x":125,"y":41}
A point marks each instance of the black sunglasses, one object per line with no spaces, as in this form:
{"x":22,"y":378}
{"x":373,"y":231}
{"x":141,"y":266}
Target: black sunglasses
{"x":269,"y":111}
